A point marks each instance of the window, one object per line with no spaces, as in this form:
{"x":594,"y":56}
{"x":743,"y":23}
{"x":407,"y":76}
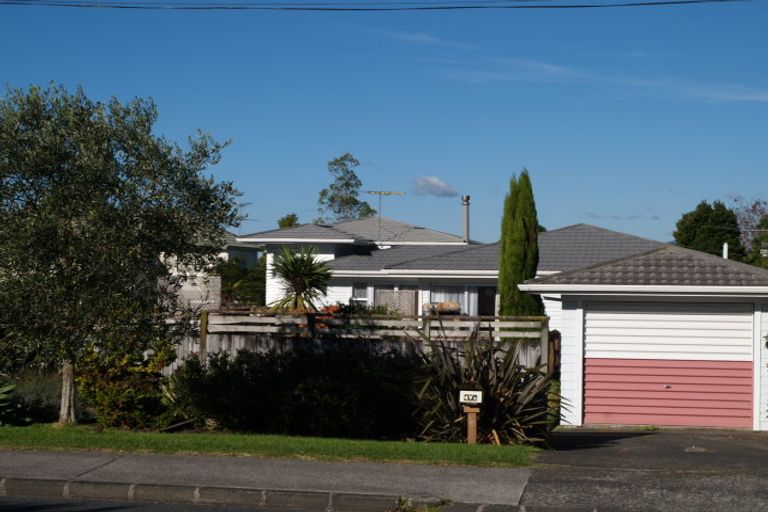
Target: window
{"x":449,"y":294}
{"x":360,"y":291}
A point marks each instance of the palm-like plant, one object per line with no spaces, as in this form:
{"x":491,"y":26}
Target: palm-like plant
{"x":305,"y":279}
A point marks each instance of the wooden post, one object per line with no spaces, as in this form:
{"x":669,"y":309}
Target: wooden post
{"x":203,"y":336}
{"x":545,"y":344}
{"x":426,"y":326}
{"x":471,"y":423}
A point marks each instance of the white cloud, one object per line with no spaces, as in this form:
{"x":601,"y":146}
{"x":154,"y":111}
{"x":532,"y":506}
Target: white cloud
{"x":522,"y":70}
{"x":424,"y":39}
{"x":433,"y":186}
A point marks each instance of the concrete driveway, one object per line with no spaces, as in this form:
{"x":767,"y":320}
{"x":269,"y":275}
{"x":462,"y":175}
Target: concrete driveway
{"x":669,"y":470}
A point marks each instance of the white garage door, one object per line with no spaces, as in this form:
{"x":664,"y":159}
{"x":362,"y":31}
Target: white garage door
{"x":669,"y":364}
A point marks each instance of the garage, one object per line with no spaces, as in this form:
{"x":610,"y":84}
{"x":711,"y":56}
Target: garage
{"x":668,"y":337}
{"x":668,"y":364}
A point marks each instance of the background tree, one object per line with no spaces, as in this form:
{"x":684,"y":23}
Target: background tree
{"x":242,"y":285}
{"x":305,"y":279}
{"x":750,"y":215}
{"x":519,"y":249}
{"x":288,"y":221}
{"x":759,"y":244}
{"x":339,"y":202}
{"x":102,"y":221}
{"x":707,"y":227}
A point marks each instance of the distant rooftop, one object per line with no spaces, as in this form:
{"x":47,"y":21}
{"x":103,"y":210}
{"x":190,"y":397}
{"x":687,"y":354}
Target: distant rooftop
{"x":368,"y":230}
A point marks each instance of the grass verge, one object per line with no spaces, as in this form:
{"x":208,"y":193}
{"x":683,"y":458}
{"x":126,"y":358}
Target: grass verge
{"x":48,"y":437}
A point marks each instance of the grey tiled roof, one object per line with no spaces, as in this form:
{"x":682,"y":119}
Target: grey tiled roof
{"x":482,"y":257}
{"x":389,"y":230}
{"x":582,"y":245}
{"x":370,"y":229}
{"x":388,"y":258}
{"x":561,"y":249}
{"x":305,"y":231}
{"x":668,"y":265}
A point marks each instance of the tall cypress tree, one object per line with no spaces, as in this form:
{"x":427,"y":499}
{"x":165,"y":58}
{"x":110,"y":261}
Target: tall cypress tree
{"x":519,"y":249}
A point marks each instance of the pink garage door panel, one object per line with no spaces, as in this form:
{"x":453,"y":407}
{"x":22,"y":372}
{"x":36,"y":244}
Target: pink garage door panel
{"x":665,"y":392}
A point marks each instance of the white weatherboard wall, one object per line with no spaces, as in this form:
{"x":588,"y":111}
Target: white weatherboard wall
{"x":572,"y":361}
{"x":553,"y":308}
{"x":338,"y":293}
{"x":669,"y":331}
{"x":762,"y":368}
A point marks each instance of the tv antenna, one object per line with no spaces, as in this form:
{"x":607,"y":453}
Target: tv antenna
{"x":381,"y":194}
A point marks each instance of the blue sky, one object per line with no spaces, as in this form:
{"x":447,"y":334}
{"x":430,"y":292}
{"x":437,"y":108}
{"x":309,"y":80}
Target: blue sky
{"x":626,"y":118}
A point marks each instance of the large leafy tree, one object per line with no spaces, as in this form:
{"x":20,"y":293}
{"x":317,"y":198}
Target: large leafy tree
{"x":340,"y":202}
{"x":707,"y":227}
{"x":102,"y":221}
{"x":519,"y":249}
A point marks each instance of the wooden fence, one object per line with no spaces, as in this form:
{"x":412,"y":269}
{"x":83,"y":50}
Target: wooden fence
{"x":228,"y":332}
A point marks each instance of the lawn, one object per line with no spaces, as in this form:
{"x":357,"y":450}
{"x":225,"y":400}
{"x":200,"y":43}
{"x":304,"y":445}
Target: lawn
{"x":48,"y":437}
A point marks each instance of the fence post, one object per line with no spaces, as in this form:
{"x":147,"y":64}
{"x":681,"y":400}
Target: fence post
{"x":203,"y":335}
{"x":545,"y":344}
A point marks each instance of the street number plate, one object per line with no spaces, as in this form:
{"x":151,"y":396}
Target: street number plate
{"x":471,"y":397}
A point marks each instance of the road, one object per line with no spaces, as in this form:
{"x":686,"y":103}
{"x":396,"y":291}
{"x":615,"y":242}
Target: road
{"x":17,"y":504}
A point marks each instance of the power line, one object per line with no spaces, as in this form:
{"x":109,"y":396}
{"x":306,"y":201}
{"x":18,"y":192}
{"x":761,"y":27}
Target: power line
{"x":355,"y":6}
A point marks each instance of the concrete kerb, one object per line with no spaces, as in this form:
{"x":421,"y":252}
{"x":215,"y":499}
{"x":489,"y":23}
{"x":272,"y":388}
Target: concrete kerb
{"x":321,"y":501}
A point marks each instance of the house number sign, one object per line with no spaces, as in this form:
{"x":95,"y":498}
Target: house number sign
{"x":471,"y":397}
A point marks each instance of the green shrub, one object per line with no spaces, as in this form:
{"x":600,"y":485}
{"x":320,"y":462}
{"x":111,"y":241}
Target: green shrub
{"x":347,"y":389}
{"x":516,"y":399}
{"x":39,"y":394}
{"x":9,"y":405}
{"x":125,"y":390}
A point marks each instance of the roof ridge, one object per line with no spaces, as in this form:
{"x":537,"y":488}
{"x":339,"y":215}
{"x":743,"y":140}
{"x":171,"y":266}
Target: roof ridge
{"x":724,"y":261}
{"x":289,"y":228}
{"x":605,"y":230}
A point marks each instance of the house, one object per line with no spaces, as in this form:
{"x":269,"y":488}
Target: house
{"x":202,"y":291}
{"x":667,"y":336}
{"x":361,"y":237}
{"x":652,"y":334}
{"x":407,"y":266}
{"x":469,"y":275}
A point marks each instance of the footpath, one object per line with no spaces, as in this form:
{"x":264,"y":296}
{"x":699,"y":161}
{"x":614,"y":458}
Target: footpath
{"x":259,"y":482}
{"x":669,"y":470}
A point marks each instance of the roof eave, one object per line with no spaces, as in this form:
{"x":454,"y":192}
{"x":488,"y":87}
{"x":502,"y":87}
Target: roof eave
{"x":297,"y":240}
{"x":615,"y":289}
{"x":492,"y":274}
{"x":395,"y":242}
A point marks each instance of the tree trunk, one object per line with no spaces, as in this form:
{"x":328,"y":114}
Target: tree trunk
{"x":67,"y":409}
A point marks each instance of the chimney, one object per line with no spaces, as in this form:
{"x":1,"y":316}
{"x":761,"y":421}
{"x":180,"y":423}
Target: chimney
{"x":725,"y":250}
{"x":465,"y":204}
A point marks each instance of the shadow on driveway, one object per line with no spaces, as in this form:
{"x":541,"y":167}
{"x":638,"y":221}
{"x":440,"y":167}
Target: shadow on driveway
{"x":688,"y":470}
